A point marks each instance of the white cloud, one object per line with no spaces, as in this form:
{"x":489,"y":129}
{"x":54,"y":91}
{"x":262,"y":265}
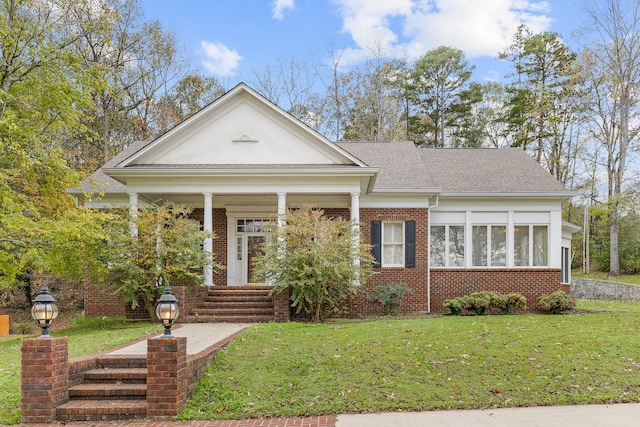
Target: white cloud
{"x":409,"y":28}
{"x":220,"y":60}
{"x":279,"y":6}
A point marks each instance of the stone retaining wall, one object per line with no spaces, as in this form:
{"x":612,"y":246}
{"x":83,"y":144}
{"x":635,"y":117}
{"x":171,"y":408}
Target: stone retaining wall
{"x":601,"y":290}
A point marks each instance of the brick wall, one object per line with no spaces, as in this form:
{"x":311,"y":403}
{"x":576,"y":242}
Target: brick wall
{"x":45,"y":378}
{"x":99,"y":300}
{"x":219,"y":242}
{"x":450,"y":283}
{"x":415,"y":278}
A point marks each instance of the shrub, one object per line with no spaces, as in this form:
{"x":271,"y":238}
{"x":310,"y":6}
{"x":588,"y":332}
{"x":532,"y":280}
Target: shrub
{"x":390,"y":296}
{"x":312,"y":255}
{"x":479,"y":302}
{"x":556,"y":302}
{"x":454,"y":306}
{"x":482,"y":302}
{"x":509,"y":303}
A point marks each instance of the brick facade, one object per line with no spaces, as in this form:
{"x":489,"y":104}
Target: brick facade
{"x":45,"y":378}
{"x":450,"y":283}
{"x":445,"y":282}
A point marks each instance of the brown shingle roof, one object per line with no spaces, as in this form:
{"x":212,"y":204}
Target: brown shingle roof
{"x":486,"y":170}
{"x":400,"y":165}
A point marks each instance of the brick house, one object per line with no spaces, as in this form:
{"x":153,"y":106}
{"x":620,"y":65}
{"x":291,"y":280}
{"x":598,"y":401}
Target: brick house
{"x":445,"y":221}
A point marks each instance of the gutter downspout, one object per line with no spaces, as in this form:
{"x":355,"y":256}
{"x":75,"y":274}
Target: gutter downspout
{"x":429,"y":252}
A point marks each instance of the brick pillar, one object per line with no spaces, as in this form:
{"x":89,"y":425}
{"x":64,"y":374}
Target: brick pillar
{"x":45,"y":378}
{"x":166,"y":376}
{"x":281,"y":308}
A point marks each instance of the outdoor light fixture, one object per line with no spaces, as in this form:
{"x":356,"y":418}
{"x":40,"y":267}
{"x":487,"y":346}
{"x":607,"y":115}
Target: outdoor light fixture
{"x":167,"y":309}
{"x":44,"y":310}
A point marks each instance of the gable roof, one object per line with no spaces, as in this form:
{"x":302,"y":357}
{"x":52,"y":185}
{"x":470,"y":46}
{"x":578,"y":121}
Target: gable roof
{"x":240,"y":128}
{"x":488,"y":170}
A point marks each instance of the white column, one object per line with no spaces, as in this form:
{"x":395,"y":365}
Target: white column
{"x":133,"y":214}
{"x":355,"y":228}
{"x":208,"y":242}
{"x":282,"y":208}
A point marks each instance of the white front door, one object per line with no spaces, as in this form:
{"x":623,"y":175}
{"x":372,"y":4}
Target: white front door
{"x":248,"y":238}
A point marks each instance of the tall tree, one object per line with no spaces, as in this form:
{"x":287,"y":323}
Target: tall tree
{"x":540,"y":93}
{"x":438,"y":86}
{"x":42,"y":92}
{"x":615,"y":81}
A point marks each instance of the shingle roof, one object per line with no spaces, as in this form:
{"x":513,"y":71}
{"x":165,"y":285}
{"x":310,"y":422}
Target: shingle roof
{"x":99,"y":181}
{"x":480,"y":170}
{"x":400,"y":166}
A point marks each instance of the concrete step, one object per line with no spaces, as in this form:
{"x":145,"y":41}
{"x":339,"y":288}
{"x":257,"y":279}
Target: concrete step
{"x":108,"y":391}
{"x":101,"y":410}
{"x":235,"y":319}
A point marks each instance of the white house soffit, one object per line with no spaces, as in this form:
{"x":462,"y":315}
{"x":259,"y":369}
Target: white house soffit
{"x":559,"y":195}
{"x":241,"y":127}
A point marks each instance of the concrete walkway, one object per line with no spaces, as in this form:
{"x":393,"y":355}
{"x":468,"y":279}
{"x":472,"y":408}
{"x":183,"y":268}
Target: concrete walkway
{"x":203,"y":335}
{"x":200,"y":336}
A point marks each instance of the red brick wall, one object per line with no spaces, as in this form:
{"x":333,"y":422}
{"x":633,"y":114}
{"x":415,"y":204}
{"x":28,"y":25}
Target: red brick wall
{"x":45,"y":378}
{"x":450,"y":283}
{"x":219,"y":241}
{"x":415,"y":277}
{"x":99,"y":301}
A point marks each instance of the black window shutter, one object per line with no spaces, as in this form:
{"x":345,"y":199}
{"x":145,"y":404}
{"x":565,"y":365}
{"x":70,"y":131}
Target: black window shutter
{"x":376,"y":242}
{"x":410,"y":244}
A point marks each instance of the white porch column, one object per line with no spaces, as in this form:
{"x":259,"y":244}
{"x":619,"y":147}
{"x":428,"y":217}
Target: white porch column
{"x":208,"y":242}
{"x":282,"y":208}
{"x":355,"y":227}
{"x":133,"y":214}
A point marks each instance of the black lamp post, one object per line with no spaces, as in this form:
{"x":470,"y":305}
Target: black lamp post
{"x":44,"y":310}
{"x":167,"y":309}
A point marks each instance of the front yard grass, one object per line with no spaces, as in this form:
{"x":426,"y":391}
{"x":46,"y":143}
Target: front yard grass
{"x":629,"y":279}
{"x":86,"y":337}
{"x":446,"y":362}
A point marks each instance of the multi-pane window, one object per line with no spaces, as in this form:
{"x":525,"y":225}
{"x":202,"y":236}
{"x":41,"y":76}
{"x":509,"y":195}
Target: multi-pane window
{"x":489,"y":245}
{"x":392,"y":244}
{"x":447,"y":246}
{"x":531,"y":246}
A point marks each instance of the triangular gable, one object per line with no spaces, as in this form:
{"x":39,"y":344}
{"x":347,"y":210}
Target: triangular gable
{"x":241,"y":128}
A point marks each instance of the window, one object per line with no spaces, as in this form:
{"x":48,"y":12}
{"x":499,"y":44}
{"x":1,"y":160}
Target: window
{"x":489,"y":246}
{"x":447,"y":246}
{"x":531,"y":245}
{"x":565,"y":276}
{"x":394,"y":243}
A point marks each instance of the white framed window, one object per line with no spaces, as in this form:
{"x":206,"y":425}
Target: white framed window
{"x":447,"y":246}
{"x":531,"y":245}
{"x":489,"y":245}
{"x":393,"y":243}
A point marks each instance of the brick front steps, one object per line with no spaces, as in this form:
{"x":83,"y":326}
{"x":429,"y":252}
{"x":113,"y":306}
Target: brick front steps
{"x":236,"y":304}
{"x":115,"y":390}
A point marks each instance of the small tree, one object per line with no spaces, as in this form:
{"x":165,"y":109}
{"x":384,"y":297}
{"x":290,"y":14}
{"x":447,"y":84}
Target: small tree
{"x":168,"y":244}
{"x":312,"y":255}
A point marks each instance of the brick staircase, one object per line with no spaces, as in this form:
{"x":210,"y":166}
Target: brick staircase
{"x":246,"y":304}
{"x":115,"y":390}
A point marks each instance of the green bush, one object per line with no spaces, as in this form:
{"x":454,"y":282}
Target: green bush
{"x":454,"y":306}
{"x":390,"y":296}
{"x":479,"y":302}
{"x":556,"y":302}
{"x":509,"y":303}
{"x":482,"y":302}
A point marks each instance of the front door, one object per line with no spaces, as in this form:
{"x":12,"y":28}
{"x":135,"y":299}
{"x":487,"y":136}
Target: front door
{"x":254,"y":248}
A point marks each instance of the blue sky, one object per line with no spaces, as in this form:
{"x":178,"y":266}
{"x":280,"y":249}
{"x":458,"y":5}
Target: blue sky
{"x":232,"y":39}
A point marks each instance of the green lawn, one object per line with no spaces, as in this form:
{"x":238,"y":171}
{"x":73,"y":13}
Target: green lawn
{"x":629,"y":279}
{"x":87,"y":336}
{"x":445,"y":362}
